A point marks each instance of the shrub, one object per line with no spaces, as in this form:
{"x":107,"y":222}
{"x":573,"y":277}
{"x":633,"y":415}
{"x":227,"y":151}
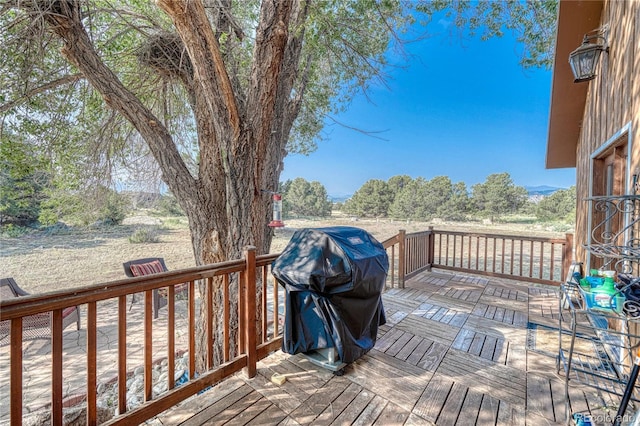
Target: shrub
{"x":147,"y":234}
{"x":13,"y":231}
{"x":115,"y":208}
{"x":167,"y":205}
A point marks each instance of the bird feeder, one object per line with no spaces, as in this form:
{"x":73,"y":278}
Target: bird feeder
{"x":276,"y":222}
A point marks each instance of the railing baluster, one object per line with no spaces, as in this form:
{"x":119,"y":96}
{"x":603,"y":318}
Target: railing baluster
{"x":276,"y":308}
{"x":122,"y":354}
{"x":210,"y":315}
{"x":521,"y":257}
{"x":552,"y":263}
{"x":455,"y":241}
{"x":401,"y":258}
{"x":540,"y":259}
{"x":171,"y":336}
{"x":92,"y":362}
{"x":512,"y":258}
{"x":227,"y":314}
{"x":264,"y":304}
{"x":56,"y":367}
{"x":477,"y":240}
{"x":16,"y":371}
{"x":241,"y":306}
{"x":495,"y":243}
{"x":502,"y":261}
{"x":446,"y":252}
{"x":393,"y":265}
{"x":148,"y":342}
{"x":192,"y":329}
{"x":249,"y":285}
{"x":531,"y":254}
{"x":486,"y":243}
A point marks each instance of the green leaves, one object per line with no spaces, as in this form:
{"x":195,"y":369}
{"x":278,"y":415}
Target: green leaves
{"x":302,"y":198}
{"x":22,"y":182}
{"x":498,"y":195}
{"x":561,"y":206}
{"x":422,"y":199}
{"x":533,"y":22}
{"x":371,"y":200}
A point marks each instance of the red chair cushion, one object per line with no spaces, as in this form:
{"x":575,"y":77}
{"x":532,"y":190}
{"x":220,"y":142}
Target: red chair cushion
{"x":141,"y":269}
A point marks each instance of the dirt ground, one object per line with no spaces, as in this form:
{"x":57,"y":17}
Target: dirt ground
{"x":42,"y":263}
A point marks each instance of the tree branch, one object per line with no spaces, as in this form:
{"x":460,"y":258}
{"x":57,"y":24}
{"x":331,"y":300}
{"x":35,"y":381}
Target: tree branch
{"x":65,"y":20}
{"x":210,"y":74}
{"x":67,"y":79}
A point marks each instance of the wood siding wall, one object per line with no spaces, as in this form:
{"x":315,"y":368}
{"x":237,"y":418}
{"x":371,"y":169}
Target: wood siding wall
{"x":613,"y":102}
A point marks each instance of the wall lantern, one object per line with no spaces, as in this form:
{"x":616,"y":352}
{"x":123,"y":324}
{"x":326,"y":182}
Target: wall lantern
{"x":585,"y":58}
{"x":277,"y":222}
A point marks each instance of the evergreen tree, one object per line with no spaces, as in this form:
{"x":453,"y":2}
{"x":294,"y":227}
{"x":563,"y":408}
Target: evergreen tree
{"x":498,"y":195}
{"x":457,"y":205}
{"x":561,"y":205}
{"x":23,"y":180}
{"x":397,"y":183}
{"x":405,"y":203}
{"x":302,"y":198}
{"x":373,"y":199}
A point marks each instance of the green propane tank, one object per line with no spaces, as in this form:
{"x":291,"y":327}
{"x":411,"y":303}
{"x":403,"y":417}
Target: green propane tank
{"x":602,"y":295}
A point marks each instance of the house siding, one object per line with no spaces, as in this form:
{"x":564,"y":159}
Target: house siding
{"x":613,"y":101}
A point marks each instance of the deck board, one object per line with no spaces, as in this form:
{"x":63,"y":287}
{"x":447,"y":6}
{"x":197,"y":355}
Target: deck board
{"x":227,"y":407}
{"x":470,"y":408}
{"x":371,"y":411}
{"x":392,"y":414}
{"x":429,"y":329}
{"x":307,"y":412}
{"x":388,"y":380}
{"x":539,"y":397}
{"x":454,"y":351}
{"x":433,"y":398}
{"x":451,"y":409}
{"x":333,"y":410}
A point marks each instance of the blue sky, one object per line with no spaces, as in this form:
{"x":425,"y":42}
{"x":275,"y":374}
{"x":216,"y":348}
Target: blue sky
{"x":460,"y":108}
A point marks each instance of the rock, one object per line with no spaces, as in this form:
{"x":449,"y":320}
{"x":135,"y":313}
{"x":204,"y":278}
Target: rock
{"x":74,"y":416}
{"x":108,"y":392}
{"x":160,"y":388}
{"x":178,"y":374}
{"x":132,"y":402}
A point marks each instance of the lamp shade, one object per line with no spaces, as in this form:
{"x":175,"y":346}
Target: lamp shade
{"x":584,"y":60}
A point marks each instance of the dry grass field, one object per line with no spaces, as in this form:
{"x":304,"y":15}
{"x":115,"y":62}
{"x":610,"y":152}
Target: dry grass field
{"x":40,"y":262}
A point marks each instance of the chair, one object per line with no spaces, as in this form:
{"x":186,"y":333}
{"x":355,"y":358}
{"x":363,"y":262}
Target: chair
{"x":36,"y":326}
{"x":148,"y":266}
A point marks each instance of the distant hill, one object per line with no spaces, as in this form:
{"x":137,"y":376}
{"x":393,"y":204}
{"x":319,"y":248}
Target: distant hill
{"x":542,"y":190}
{"x":339,"y":198}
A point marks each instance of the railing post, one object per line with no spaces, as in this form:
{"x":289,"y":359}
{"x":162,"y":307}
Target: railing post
{"x":567,"y":255}
{"x":401,"y":257}
{"x":430,"y":248}
{"x":249,"y":285}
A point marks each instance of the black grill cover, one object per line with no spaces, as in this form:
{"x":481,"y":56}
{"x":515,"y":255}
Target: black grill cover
{"x":333,"y":279}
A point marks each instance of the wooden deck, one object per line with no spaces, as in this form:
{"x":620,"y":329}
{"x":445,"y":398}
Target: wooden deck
{"x":456,"y":350}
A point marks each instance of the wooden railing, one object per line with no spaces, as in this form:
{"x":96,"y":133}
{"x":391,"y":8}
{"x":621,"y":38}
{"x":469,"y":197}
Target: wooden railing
{"x":242,"y":289}
{"x":240,"y":286}
{"x":533,"y":259}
